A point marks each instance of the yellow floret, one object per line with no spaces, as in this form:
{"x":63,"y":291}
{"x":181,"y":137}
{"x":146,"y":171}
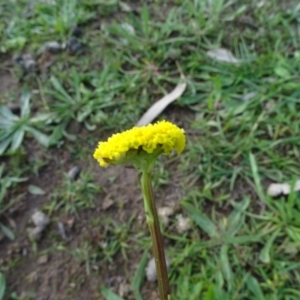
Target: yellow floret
{"x":163,"y":134}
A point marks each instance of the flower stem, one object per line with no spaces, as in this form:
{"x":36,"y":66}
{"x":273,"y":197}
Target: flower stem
{"x":157,"y":241}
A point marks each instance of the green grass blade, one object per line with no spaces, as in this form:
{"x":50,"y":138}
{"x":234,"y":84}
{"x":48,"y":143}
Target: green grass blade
{"x":254,"y":287}
{"x":226,"y":269}
{"x":2,"y":286}
{"x":264,"y":255}
{"x":25,"y":99}
{"x":139,"y":277}
{"x":256,"y":178}
{"x":7,"y":231}
{"x":109,"y":295}
{"x":202,"y":221}
{"x":61,"y":90}
{"x":4,"y":144}
{"x":42,"y":138}
{"x":17,"y":139}
{"x":7,"y":115}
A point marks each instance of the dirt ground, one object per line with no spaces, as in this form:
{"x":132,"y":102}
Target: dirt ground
{"x":46,"y":270}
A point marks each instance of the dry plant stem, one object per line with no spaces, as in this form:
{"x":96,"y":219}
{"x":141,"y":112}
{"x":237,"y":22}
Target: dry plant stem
{"x":157,"y":241}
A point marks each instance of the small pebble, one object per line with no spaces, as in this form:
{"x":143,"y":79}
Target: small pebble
{"x":35,"y":233}
{"x":53,"y":47}
{"x":26,"y":61}
{"x":124,"y":289}
{"x":71,"y":222}
{"x":43,"y":259}
{"x":277,"y":189}
{"x":74,"y":172}
{"x":183,"y":224}
{"x":107,"y":202}
{"x":151,"y":269}
{"x":77,"y":32}
{"x":39,"y":219}
{"x":73,"y":45}
{"x":164,"y":213}
{"x":31,"y":278}
{"x":62,"y":232}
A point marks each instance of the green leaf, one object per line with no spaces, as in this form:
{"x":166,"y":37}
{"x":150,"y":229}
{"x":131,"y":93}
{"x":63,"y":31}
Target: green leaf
{"x":17,"y":139}
{"x":109,"y":295}
{"x":256,"y":178}
{"x":139,"y":276}
{"x":226,"y":269}
{"x":254,"y":287}
{"x":2,"y":286}
{"x":35,"y":190}
{"x":7,"y":114}
{"x":237,"y":217}
{"x":202,"y":221}
{"x":264,"y":255}
{"x":282,"y":72}
{"x":42,"y":138}
{"x":70,"y":137}
{"x":60,"y":89}
{"x":7,"y":231}
{"x":89,"y":127}
{"x":3,"y":145}
{"x":41,"y":117}
{"x":25,"y":98}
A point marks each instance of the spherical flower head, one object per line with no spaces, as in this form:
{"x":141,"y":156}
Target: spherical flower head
{"x":153,"y":139}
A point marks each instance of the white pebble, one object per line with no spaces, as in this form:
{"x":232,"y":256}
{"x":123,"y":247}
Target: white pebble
{"x":164,"y":213}
{"x":39,"y":219}
{"x":183,"y":224}
{"x":151,"y":269}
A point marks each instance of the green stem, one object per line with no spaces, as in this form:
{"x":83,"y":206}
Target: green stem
{"x":157,"y":241}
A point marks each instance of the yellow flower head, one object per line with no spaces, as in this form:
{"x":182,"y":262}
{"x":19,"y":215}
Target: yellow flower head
{"x":163,"y":136}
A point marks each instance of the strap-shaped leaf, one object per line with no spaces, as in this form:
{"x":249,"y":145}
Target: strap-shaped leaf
{"x":202,"y":221}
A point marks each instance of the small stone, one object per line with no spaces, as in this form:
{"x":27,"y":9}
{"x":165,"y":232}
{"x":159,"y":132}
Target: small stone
{"x":107,"y":203}
{"x":74,"y":172}
{"x":151,"y":269}
{"x":154,"y":295}
{"x":164,"y":213}
{"x":277,"y":189}
{"x":183,"y":224}
{"x":274,"y":190}
{"x":62,"y":232}
{"x":32,"y":277}
{"x":26,"y":61}
{"x":53,"y":47}
{"x":43,"y":259}
{"x":39,"y":219}
{"x":73,"y":45}
{"x":35,"y":233}
{"x":77,"y":32}
{"x":124,"y":289}
{"x":70,"y":223}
